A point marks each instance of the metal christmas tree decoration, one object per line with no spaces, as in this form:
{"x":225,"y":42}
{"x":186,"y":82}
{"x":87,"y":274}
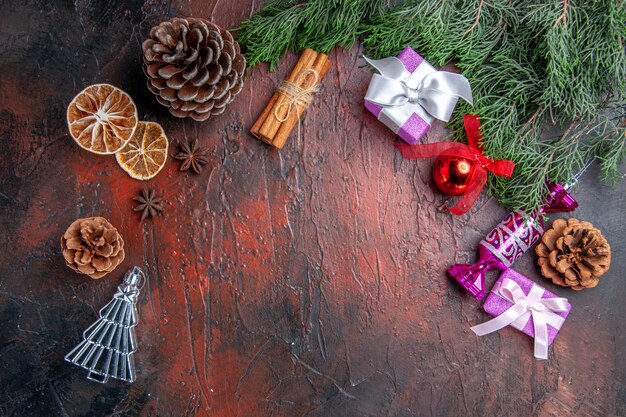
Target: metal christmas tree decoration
{"x":108,"y":344}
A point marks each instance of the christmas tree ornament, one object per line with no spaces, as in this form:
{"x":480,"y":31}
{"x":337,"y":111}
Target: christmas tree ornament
{"x":149,"y":204}
{"x":515,"y":234}
{"x":452,"y":174}
{"x":291,"y":99}
{"x":194,"y":67}
{"x":102,"y":119}
{"x":193,"y":156}
{"x":574,"y":254}
{"x":92,"y":246}
{"x":109,"y":344}
{"x":518,"y":302}
{"x":470,"y":171}
{"x":144,"y":156}
{"x":409,"y":93}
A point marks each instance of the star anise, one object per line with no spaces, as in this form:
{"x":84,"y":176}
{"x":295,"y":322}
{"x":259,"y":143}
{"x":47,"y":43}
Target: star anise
{"x":149,"y":203}
{"x":192,"y":155}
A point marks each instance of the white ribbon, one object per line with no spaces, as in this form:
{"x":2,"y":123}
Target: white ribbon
{"x":543,"y":312}
{"x":425,"y":91}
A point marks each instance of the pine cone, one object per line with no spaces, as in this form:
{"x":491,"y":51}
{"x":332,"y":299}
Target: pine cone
{"x":92,"y":246}
{"x":573,"y":254}
{"x":194,"y":67}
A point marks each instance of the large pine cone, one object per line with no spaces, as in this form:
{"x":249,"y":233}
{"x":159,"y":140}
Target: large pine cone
{"x":92,"y":246}
{"x":573,"y":254}
{"x":194,"y":67}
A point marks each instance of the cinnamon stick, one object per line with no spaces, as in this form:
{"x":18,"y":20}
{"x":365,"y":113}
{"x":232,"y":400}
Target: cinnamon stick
{"x":279,"y":117}
{"x":256,"y":127}
{"x":270,"y":124}
{"x":320,"y":66}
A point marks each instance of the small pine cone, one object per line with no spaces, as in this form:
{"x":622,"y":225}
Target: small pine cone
{"x":573,"y":254}
{"x":194,"y":67}
{"x":92,"y":246}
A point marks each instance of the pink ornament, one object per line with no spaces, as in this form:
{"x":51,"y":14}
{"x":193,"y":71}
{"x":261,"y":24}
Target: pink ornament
{"x":515,"y":234}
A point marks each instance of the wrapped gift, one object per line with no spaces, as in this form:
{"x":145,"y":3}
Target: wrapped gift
{"x":409,"y":93}
{"x":518,"y":302}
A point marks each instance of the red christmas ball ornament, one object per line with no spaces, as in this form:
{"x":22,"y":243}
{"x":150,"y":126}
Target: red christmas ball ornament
{"x":452,"y":173}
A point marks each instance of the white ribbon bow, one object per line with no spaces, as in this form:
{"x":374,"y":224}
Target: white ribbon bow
{"x":543,"y":312}
{"x":403,"y":93}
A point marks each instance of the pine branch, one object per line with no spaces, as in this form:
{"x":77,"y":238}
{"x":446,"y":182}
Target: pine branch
{"x":283,"y":25}
{"x":536,"y":68}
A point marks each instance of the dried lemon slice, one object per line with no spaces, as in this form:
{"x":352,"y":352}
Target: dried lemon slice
{"x":102,"y":118}
{"x":146,"y":152}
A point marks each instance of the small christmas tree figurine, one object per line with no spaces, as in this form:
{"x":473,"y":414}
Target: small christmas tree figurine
{"x":108,"y":345}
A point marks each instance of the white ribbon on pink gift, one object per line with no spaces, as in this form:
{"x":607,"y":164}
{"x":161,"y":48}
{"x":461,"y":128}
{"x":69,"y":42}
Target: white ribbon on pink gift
{"x":427,"y":92}
{"x":542,"y":310}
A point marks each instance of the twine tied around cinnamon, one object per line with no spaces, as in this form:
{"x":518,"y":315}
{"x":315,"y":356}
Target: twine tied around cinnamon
{"x":278,"y":118}
{"x":294,"y":95}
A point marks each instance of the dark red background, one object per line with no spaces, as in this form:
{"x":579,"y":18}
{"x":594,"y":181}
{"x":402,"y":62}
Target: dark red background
{"x":303,"y":282}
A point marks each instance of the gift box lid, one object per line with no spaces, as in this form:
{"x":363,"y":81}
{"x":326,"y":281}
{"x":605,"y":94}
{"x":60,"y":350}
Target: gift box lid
{"x":410,"y":59}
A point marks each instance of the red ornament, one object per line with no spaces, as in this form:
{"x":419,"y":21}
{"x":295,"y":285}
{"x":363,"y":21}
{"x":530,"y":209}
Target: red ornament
{"x":452,"y":174}
{"x":462,"y":169}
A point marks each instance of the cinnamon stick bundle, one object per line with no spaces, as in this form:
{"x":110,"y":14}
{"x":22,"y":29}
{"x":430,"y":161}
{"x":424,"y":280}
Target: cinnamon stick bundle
{"x":291,"y":99}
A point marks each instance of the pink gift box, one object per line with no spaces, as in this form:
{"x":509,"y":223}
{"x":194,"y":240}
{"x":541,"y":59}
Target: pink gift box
{"x":416,"y":126}
{"x":496,"y":305}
